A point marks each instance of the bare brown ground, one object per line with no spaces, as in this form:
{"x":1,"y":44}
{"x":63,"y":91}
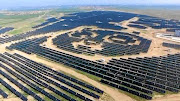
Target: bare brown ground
{"x":11,"y":99}
{"x":172,"y":97}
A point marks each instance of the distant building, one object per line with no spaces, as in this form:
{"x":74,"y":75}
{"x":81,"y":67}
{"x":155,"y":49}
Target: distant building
{"x":177,"y":33}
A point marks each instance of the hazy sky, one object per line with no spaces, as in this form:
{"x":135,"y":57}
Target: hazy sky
{"x":31,"y":3}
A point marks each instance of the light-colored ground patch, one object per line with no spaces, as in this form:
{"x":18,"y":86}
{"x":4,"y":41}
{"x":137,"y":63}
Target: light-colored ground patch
{"x":11,"y":99}
{"x":172,"y":97}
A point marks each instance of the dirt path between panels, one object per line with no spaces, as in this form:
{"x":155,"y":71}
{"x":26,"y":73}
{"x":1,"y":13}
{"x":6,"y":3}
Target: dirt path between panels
{"x":172,"y":97}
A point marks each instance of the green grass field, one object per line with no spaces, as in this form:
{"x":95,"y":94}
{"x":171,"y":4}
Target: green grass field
{"x":10,"y":19}
{"x":28,"y":27}
{"x":20,"y":23}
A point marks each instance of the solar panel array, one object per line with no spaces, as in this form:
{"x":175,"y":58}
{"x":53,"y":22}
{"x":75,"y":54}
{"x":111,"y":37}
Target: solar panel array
{"x":171,"y":45}
{"x":6,"y":29}
{"x":36,"y":76}
{"x":139,"y":76}
{"x":172,"y":30}
{"x":48,"y":21}
{"x":24,"y":45}
{"x":115,"y":48}
{"x":65,"y":42}
{"x":159,"y":74}
{"x":85,"y":31}
{"x":157,"y":23}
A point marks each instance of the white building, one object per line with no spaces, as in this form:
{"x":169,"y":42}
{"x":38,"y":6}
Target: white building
{"x":177,"y":33}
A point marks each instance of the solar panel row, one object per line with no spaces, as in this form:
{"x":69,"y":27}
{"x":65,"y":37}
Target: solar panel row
{"x":136,"y":32}
{"x":6,"y":29}
{"x":48,"y":21}
{"x":171,"y":45}
{"x":3,"y":94}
